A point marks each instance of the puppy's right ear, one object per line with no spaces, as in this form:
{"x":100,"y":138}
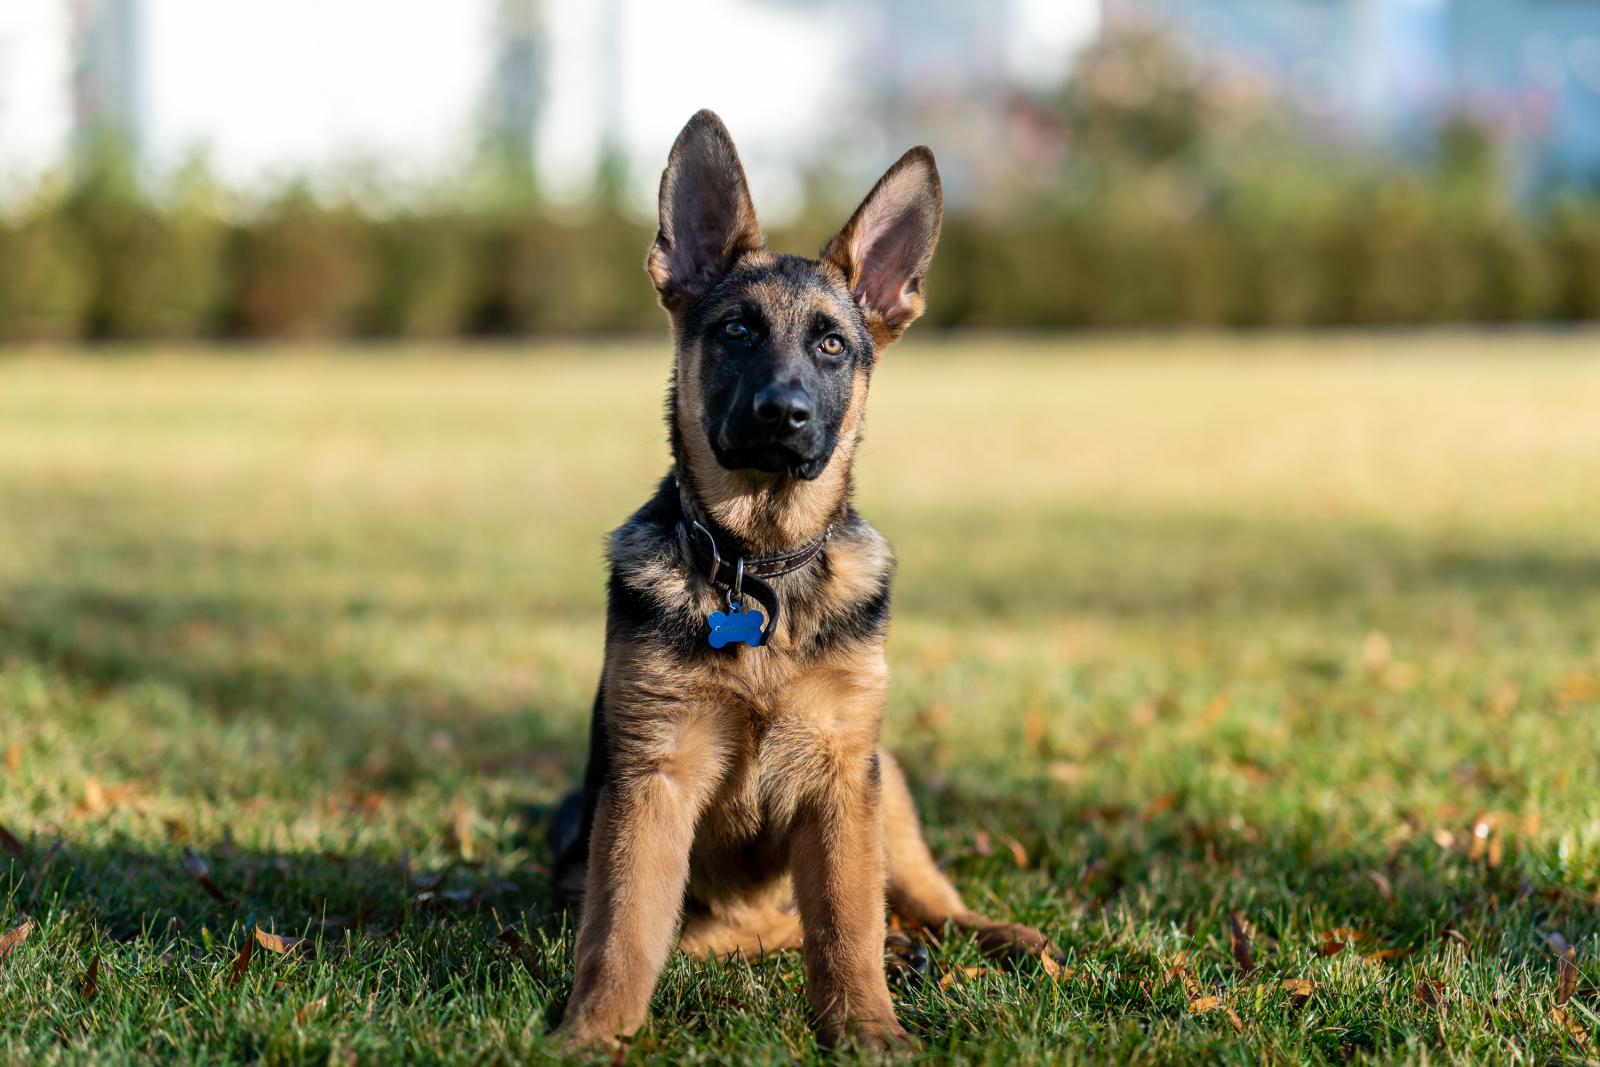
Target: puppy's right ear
{"x":707,"y":219}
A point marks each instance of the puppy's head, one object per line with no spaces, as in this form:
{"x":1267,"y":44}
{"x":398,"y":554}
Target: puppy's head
{"x":775,"y":351}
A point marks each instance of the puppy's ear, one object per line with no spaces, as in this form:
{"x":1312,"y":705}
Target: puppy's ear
{"x":885,"y":248}
{"x":707,"y":219}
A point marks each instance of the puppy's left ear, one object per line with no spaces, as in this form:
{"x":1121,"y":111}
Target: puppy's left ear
{"x":886,"y":247}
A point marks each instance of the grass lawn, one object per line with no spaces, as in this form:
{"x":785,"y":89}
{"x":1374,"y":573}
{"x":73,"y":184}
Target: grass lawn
{"x":1306,"y":632}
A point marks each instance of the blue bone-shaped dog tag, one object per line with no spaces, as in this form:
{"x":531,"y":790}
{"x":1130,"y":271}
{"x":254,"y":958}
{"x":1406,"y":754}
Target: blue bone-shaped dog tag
{"x":734,"y":625}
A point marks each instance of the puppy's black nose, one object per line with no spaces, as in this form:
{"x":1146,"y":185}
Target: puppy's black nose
{"x":783,"y":407}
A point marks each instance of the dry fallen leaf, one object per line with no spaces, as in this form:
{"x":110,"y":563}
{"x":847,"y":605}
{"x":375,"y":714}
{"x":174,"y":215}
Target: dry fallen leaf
{"x":1202,"y":1005}
{"x":1162,"y":803}
{"x":201,"y":873}
{"x":9,"y":842}
{"x":276,"y":943}
{"x":458,"y":834}
{"x":1452,"y":936}
{"x":1239,"y":938}
{"x":9,"y":943}
{"x":1384,"y":955}
{"x":1299,"y":989}
{"x":961,"y":974}
{"x":241,"y":962}
{"x":1380,"y":882}
{"x":1054,"y":967}
{"x":1430,"y":993}
{"x":1035,"y":729}
{"x":91,"y":978}
{"x":1579,"y":1032}
{"x":1065,"y":772}
{"x":1018,"y":853}
{"x":1332,"y":948}
{"x":520,"y":948}
{"x":1233,"y":1017}
{"x":312,"y":1008}
{"x":1180,"y":970}
{"x":1566,"y":973}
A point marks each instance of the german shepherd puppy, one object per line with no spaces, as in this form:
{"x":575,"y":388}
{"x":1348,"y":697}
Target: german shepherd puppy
{"x":737,"y":799}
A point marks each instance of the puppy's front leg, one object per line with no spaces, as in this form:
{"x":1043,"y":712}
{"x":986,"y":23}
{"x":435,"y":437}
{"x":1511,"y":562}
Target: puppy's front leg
{"x":836,"y":857}
{"x":638,"y":867}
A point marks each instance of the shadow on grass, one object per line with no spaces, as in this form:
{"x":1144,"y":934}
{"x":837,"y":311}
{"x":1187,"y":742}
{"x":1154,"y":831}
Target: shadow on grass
{"x":1173,"y":565}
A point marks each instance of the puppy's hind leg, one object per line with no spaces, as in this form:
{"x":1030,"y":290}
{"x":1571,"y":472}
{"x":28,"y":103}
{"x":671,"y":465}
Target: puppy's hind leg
{"x":919,"y":890}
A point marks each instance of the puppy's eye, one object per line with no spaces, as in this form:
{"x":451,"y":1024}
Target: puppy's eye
{"x":736,"y":330}
{"x":831,"y":345}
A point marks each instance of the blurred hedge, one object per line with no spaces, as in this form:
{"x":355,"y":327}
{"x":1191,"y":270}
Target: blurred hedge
{"x":1173,"y":201}
{"x":106,"y":264}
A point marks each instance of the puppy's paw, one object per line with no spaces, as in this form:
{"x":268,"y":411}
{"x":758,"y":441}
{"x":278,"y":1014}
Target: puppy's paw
{"x":583,"y":1044}
{"x":865,"y":1035}
{"x":1013,"y":941}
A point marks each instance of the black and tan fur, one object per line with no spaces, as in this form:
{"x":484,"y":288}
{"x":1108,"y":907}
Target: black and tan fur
{"x":738,"y":800}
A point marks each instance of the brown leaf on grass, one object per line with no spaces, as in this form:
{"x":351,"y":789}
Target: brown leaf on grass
{"x":458,"y":832}
{"x":9,"y":842}
{"x":1385,"y":955}
{"x":1253,"y":772}
{"x":1215,"y":709}
{"x":1065,"y":772}
{"x":311,"y":1008}
{"x":94,"y":798}
{"x":14,"y":758}
{"x":91,"y":979}
{"x":957,"y":975}
{"x":1180,"y":969}
{"x":1452,"y":936}
{"x":9,"y":943}
{"x":1566,"y":968}
{"x":1233,"y":1017}
{"x":98,"y":799}
{"x":1380,"y":882}
{"x":1576,"y":688}
{"x":1203,"y":1005}
{"x":1430,"y":994}
{"x":1157,"y":805}
{"x":1299,"y":989}
{"x":201,"y":873}
{"x":278,"y":944}
{"x":1579,"y":1032}
{"x":241,"y":962}
{"x":1054,"y":967}
{"x":1338,"y":939}
{"x":1239,"y":938}
{"x":1014,"y":846}
{"x":1035,"y":729}
{"x":520,"y":948}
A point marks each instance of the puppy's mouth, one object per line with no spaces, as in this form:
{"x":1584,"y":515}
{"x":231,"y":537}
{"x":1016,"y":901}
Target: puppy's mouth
{"x":769,"y":458}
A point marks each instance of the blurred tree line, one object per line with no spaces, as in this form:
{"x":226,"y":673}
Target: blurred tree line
{"x":1149,"y":190}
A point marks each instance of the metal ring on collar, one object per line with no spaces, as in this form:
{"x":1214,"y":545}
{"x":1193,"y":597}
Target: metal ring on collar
{"x":716,"y":556}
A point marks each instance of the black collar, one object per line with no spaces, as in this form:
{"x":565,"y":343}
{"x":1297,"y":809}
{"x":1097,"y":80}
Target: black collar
{"x":739,"y":574}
